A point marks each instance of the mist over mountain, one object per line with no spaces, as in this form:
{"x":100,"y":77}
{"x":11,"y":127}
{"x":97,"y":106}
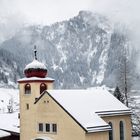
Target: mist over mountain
{"x":82,"y":52}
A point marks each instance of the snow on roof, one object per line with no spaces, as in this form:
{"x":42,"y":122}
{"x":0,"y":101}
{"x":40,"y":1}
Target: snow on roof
{"x":35,"y":79}
{"x":35,"y":64}
{"x":10,"y":122}
{"x":83,"y":105}
{"x":4,"y":134}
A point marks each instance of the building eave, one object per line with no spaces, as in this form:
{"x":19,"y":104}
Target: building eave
{"x":36,"y":79}
{"x":98,"y":129}
{"x":114,"y":113}
{"x":11,"y":132}
{"x":44,"y":92}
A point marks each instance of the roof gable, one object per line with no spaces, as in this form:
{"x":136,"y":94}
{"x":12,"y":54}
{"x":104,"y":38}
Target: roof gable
{"x":85,"y":106}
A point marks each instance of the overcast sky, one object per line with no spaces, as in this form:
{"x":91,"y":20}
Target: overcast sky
{"x":15,"y":13}
{"x":50,"y":11}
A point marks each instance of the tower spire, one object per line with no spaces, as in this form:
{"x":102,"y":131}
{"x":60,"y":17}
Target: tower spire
{"x":35,"y":52}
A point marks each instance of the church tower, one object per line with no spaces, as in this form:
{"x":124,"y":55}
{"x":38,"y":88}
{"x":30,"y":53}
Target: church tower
{"x":31,"y":87}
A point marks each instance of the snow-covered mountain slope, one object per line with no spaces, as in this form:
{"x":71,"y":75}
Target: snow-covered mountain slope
{"x":82,"y":52}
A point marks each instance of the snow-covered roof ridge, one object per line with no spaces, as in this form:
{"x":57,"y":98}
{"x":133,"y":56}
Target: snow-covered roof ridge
{"x":83,"y":105}
{"x":35,"y":79}
{"x":35,"y":64}
{"x":91,"y":97}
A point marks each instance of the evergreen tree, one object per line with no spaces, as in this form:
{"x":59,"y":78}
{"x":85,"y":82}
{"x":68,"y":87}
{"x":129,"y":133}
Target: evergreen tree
{"x":124,"y":75}
{"x":118,"y":94}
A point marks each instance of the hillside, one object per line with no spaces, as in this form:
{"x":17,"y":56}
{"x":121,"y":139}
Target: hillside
{"x":82,"y":52}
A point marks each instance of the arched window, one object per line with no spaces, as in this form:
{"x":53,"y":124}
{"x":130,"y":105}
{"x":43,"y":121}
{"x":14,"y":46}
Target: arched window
{"x":110,"y":131}
{"x":27,"y":89}
{"x":42,"y":87}
{"x":121,"y":130}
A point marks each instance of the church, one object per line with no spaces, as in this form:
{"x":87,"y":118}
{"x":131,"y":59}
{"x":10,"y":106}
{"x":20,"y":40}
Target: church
{"x":49,"y":114}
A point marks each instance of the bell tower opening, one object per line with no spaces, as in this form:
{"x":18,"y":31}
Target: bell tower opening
{"x":27,"y":89}
{"x":43,"y":87}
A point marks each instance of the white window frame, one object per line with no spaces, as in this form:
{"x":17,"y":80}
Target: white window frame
{"x":44,"y":128}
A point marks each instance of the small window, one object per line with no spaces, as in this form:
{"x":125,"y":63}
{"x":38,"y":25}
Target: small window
{"x":121,"y":130}
{"x":27,"y":89}
{"x":40,"y":127}
{"x":42,"y":87}
{"x":54,"y":128}
{"x":47,"y":127}
{"x":27,"y":106}
{"x":111,"y":132}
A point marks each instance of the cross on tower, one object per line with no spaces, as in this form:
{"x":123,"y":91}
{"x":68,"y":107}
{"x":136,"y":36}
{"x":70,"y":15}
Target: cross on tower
{"x":35,"y":51}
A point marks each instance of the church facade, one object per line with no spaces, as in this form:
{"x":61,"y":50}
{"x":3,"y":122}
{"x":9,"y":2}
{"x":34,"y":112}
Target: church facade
{"x":48,"y":114}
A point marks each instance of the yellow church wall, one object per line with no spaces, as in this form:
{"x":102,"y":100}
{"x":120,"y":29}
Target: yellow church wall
{"x":46,"y":110}
{"x":68,"y":129}
{"x":35,"y":89}
{"x":115,"y":120}
{"x":27,"y":116}
{"x":97,"y":136}
{"x":50,"y":112}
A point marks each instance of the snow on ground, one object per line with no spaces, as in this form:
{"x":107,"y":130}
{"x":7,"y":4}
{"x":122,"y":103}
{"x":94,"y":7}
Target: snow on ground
{"x":9,"y":97}
{"x":9,"y":121}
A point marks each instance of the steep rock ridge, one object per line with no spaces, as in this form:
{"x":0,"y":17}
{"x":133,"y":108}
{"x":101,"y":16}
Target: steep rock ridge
{"x":79,"y":53}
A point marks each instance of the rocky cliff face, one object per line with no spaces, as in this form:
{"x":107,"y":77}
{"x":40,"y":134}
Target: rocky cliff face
{"x":81,"y":52}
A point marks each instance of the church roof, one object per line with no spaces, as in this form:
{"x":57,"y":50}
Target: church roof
{"x":35,"y":68}
{"x":87,"y":106}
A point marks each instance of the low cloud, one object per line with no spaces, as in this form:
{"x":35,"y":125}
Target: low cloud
{"x":11,"y":19}
{"x":124,"y":12}
{"x":15,"y":13}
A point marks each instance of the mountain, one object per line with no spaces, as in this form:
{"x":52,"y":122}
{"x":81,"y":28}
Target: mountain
{"x":81,"y":52}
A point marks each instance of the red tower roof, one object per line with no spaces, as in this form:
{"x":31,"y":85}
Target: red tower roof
{"x":35,"y":68}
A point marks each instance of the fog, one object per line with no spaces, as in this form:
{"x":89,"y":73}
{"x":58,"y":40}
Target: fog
{"x":125,"y":12}
{"x":16,"y":13}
